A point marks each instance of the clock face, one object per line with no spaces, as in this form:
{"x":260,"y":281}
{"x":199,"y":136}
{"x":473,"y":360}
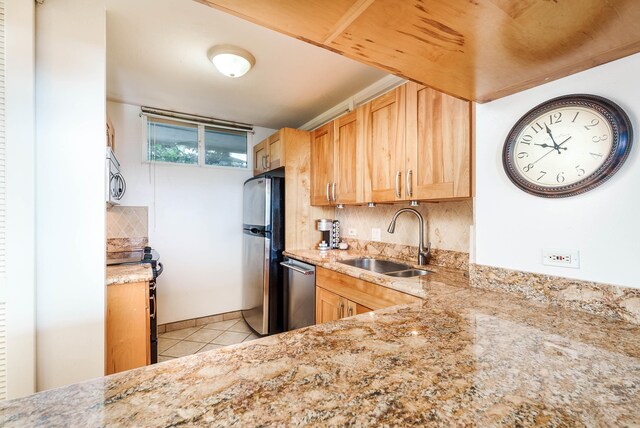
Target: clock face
{"x":567,"y":145}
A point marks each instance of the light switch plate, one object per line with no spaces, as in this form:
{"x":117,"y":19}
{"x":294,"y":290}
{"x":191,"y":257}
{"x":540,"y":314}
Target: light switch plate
{"x":375,"y":234}
{"x":561,"y":258}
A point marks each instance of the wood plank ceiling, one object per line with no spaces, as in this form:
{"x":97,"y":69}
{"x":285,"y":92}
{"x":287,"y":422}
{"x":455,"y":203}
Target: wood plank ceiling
{"x":478,"y":50}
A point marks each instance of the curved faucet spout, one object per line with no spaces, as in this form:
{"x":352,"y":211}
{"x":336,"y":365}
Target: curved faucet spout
{"x":424,"y":252}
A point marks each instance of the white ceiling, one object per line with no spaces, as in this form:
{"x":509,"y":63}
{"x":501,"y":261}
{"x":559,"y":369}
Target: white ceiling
{"x":157,"y":56}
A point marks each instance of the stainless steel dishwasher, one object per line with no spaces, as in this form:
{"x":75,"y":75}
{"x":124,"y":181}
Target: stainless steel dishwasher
{"x":300,"y":294}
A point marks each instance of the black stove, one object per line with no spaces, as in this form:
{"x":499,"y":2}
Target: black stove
{"x":149,"y":256}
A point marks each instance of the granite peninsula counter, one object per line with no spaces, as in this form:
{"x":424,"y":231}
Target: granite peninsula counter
{"x":463,"y":356}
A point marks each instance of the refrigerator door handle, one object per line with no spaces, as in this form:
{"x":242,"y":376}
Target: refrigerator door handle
{"x":297,"y":268}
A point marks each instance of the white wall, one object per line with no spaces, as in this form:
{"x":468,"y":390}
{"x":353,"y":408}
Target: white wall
{"x":195,"y":222}
{"x":70,"y":208}
{"x":513,"y":227}
{"x":20,"y":172}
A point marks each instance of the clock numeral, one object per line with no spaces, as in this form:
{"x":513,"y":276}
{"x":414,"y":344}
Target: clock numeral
{"x":575,"y":117}
{"x":526,"y":139}
{"x":536,"y":127}
{"x":528,"y":167}
{"x":597,"y":139}
{"x":543,"y":174}
{"x":594,"y":122}
{"x":580,"y":171}
{"x":596,"y":155}
{"x":523,"y":155}
{"x":555,"y":118}
{"x":560,"y":177}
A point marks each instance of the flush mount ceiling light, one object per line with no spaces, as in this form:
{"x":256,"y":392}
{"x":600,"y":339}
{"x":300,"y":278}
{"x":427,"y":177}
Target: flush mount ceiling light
{"x":231,"y":61}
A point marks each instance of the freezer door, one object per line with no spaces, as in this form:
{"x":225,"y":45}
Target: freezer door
{"x":255,"y":280}
{"x":257,"y":203}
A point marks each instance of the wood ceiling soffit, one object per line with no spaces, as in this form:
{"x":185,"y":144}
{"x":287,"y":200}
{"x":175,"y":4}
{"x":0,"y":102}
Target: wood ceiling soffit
{"x":473,"y":49}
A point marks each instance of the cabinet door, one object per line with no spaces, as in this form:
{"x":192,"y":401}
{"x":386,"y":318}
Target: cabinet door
{"x":275,"y":155}
{"x":127,"y":325}
{"x":329,"y":306}
{"x":354,"y":308}
{"x":383,"y":128}
{"x":322,"y":165}
{"x":438,"y":144}
{"x":348,"y":160}
{"x":260,"y":157}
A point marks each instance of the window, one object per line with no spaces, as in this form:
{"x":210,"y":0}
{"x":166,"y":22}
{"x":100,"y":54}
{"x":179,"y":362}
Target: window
{"x":225,"y":148}
{"x":191,"y":143}
{"x":170,"y":141}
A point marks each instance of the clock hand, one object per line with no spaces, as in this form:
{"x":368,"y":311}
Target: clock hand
{"x":545,"y":145}
{"x":555,"y":145}
{"x":551,"y":151}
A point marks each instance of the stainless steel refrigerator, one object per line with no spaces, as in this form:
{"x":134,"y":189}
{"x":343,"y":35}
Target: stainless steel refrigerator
{"x":263,"y":242}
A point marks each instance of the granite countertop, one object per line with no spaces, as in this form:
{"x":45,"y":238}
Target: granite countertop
{"x":416,"y":286}
{"x":124,"y":274}
{"x":461,"y":357}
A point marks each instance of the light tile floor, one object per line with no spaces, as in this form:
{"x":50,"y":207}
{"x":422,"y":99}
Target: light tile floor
{"x":188,"y":341}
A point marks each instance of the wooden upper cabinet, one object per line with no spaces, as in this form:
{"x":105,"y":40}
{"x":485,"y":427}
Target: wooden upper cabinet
{"x":348,"y":160}
{"x":337,"y":162}
{"x":383,"y":132}
{"x":260,"y":157}
{"x":322,"y":168}
{"x":275,"y":152}
{"x":438,"y":145}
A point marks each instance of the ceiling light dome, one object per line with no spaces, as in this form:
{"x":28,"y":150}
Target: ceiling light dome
{"x":231,"y":61}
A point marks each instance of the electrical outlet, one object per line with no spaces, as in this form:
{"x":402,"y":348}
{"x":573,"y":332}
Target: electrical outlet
{"x":352,"y":232}
{"x":562,"y":258}
{"x":375,"y":234}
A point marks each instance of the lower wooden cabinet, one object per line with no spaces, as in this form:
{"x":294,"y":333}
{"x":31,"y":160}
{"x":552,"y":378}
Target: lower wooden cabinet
{"x":128,"y":327}
{"x":339,"y":296}
{"x":331,"y":307}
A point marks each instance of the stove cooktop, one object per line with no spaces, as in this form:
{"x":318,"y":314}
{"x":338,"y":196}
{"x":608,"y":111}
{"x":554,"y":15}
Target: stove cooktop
{"x":146,"y":255}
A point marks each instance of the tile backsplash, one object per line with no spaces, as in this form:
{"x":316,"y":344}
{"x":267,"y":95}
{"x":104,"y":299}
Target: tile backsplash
{"x":127,"y":222}
{"x":448,"y":224}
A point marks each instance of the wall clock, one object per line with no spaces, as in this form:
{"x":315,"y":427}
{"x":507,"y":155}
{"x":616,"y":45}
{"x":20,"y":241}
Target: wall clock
{"x":567,"y":145}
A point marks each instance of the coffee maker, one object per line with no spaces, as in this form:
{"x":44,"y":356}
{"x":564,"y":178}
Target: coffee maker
{"x":330,"y":233}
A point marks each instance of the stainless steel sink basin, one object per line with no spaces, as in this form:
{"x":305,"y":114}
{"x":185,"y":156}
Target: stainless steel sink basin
{"x":375,"y":265}
{"x":408,"y":273}
{"x":386,"y":267}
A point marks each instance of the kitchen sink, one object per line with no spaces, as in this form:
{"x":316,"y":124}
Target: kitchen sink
{"x":408,"y":273}
{"x":375,"y":265}
{"x":385,"y":267}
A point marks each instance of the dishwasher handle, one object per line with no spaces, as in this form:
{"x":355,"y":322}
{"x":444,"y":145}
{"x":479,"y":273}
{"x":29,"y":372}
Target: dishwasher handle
{"x":298,"y":268}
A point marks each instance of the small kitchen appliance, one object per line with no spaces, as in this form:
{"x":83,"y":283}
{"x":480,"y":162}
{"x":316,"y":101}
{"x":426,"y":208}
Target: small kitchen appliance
{"x":330,"y":233}
{"x":116,"y":186}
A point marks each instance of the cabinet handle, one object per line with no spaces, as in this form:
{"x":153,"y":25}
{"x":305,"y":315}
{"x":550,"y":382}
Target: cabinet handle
{"x":341,"y":310}
{"x":328,"y":197}
{"x":409,"y":185}
{"x":153,"y":299}
{"x":266,"y":161}
{"x":349,"y":311}
{"x":398,"y":174}
{"x":262,"y":163}
{"x":333,"y":192}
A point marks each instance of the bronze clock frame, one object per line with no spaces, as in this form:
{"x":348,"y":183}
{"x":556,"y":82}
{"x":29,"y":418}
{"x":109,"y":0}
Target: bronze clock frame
{"x":622,"y":142}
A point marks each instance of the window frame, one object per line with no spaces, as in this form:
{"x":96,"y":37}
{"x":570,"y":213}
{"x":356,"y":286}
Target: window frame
{"x":201,"y":145}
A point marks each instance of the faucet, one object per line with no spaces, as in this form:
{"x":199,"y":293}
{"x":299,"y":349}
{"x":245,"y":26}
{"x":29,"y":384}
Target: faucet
{"x":424,"y":253}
